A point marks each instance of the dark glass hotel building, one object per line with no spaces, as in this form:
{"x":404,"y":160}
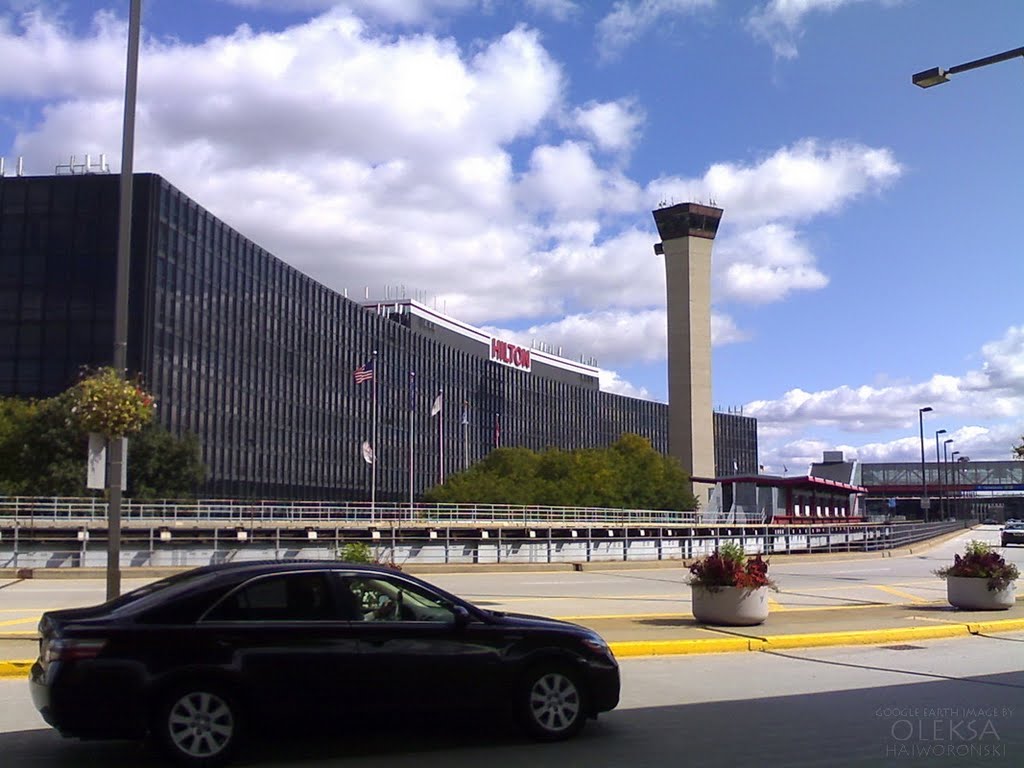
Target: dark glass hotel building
{"x":257,"y":359}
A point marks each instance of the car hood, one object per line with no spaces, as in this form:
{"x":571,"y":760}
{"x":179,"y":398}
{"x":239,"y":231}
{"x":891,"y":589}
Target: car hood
{"x":528,"y":621}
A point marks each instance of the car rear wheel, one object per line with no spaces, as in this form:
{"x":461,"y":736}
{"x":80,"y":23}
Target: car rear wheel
{"x":199,"y":725}
{"x":552,"y":703}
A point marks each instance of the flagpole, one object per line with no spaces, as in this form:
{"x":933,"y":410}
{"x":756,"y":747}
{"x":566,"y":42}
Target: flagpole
{"x":373,"y":465}
{"x":412,"y":408}
{"x":465,"y":434}
{"x":440,"y":437}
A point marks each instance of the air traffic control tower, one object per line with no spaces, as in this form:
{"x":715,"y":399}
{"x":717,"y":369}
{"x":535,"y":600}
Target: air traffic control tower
{"x":687,"y":233}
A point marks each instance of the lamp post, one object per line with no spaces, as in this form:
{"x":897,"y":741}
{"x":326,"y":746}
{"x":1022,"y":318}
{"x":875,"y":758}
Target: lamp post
{"x":924,"y":481}
{"x":955,"y":491}
{"x":938,"y":468}
{"x":124,"y":238}
{"x":945,"y":445}
{"x":966,"y":474}
{"x":938,"y":75}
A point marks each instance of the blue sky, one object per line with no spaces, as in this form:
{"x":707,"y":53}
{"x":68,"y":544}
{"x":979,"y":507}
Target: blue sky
{"x":503,"y":158}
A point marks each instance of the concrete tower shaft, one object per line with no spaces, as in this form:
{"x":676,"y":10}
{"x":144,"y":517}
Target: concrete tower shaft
{"x":687,"y":233}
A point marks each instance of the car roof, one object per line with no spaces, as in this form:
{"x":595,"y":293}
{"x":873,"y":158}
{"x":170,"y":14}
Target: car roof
{"x":256,"y":567}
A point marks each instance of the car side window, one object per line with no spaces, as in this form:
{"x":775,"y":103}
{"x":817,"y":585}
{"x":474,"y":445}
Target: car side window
{"x":302,"y":596}
{"x":383,"y":599}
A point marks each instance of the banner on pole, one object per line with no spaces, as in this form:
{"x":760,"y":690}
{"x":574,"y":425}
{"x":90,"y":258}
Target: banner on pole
{"x":368,"y":456}
{"x":438,"y":404}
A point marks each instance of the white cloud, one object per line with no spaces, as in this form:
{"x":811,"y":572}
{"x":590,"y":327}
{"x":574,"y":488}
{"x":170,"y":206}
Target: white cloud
{"x":780,"y":22}
{"x":795,"y":183}
{"x":610,"y":382}
{"x":568,"y":181}
{"x":764,"y":264}
{"x":613,"y":125}
{"x":629,"y":20}
{"x":372,"y":159}
{"x":759,"y":255}
{"x":406,"y":12}
{"x":560,"y":10}
{"x":994,"y":394}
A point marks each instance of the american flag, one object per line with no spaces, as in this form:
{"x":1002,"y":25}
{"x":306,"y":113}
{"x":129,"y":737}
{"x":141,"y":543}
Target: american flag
{"x":364,"y":372}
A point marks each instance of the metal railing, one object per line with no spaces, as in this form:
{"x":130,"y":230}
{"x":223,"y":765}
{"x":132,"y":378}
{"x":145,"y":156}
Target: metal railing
{"x":30,"y":545}
{"x":313,"y":512}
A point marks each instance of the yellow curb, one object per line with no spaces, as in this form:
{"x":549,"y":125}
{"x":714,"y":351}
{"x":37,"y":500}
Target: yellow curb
{"x":864,"y":637}
{"x":11,"y":669}
{"x":1000,"y":625}
{"x":812,"y":640}
{"x":631,"y":648}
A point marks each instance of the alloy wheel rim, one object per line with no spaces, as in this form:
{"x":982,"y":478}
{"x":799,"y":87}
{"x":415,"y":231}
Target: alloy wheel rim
{"x":201,"y":724}
{"x":554,"y":702}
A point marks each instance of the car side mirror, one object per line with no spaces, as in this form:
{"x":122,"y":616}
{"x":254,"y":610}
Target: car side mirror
{"x":462,"y":617}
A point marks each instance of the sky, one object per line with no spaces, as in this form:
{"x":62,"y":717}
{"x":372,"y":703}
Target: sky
{"x":500,"y":160}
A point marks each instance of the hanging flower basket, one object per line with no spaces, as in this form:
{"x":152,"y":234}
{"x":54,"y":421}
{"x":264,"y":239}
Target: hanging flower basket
{"x":111,"y":406}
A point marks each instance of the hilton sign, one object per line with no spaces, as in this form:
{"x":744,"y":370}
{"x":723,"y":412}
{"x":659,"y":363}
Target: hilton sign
{"x":510,"y":355}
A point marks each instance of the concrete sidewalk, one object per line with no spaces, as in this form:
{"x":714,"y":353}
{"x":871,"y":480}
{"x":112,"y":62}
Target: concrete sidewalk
{"x":669,"y":634}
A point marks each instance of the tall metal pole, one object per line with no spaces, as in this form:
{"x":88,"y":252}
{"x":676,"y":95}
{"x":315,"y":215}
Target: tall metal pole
{"x":945,"y":462}
{"x":465,"y":434}
{"x":440,"y":439}
{"x":375,"y":452}
{"x":412,"y":410}
{"x":954,"y":484}
{"x":924,"y":480}
{"x":124,"y":237}
{"x":938,"y":467}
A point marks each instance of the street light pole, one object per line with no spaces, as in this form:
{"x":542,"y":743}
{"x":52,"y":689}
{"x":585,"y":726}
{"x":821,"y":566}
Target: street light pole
{"x":924,"y":481}
{"x":945,"y":445}
{"x":938,"y":467}
{"x":954,"y":491}
{"x":124,"y":238}
{"x":938,"y":75}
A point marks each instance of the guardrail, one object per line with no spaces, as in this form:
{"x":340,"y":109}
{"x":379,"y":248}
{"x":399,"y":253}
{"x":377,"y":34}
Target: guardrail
{"x":35,"y":546}
{"x":241,"y":511}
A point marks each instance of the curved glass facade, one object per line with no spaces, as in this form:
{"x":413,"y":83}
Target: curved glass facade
{"x":257,"y":359}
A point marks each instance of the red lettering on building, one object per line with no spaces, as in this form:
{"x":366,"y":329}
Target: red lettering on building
{"x":510,"y":354}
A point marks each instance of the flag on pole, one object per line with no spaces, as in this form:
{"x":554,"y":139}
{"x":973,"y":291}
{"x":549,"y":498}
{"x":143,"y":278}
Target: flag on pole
{"x":368,"y":456}
{"x":412,"y":390}
{"x":438,"y":404}
{"x":785,"y":469}
{"x":497,"y":432}
{"x":465,"y":413}
{"x":364,"y":372}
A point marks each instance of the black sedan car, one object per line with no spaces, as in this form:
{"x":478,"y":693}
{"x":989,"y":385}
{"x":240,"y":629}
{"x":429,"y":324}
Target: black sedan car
{"x":1012,"y":533}
{"x":203,"y":658}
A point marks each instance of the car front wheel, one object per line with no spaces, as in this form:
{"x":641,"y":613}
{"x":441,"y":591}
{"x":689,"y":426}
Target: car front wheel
{"x":199,"y":725}
{"x":552,"y":703}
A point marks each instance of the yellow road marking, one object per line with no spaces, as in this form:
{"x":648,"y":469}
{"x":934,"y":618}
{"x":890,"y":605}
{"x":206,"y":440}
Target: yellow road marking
{"x":900,"y":593}
{"x":10,"y":622}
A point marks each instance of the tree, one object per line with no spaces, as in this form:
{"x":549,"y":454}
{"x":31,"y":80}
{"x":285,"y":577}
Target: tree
{"x":162,"y":466}
{"x":43,"y":451}
{"x":628,"y":475}
{"x":1018,"y":450}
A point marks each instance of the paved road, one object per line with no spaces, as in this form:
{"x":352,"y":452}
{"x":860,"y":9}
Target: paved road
{"x":816,"y":707}
{"x":805,"y":584}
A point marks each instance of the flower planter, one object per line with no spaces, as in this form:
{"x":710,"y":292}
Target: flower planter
{"x":973,"y":594}
{"x":731,"y":606}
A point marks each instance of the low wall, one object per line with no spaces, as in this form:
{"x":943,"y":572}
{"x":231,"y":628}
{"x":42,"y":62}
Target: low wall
{"x":141,"y":549}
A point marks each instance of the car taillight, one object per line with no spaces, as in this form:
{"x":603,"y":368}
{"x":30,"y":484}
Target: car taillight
{"x":71,"y":649}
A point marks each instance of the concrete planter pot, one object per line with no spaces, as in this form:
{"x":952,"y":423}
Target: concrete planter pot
{"x":730,"y":606}
{"x":972,"y":594}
